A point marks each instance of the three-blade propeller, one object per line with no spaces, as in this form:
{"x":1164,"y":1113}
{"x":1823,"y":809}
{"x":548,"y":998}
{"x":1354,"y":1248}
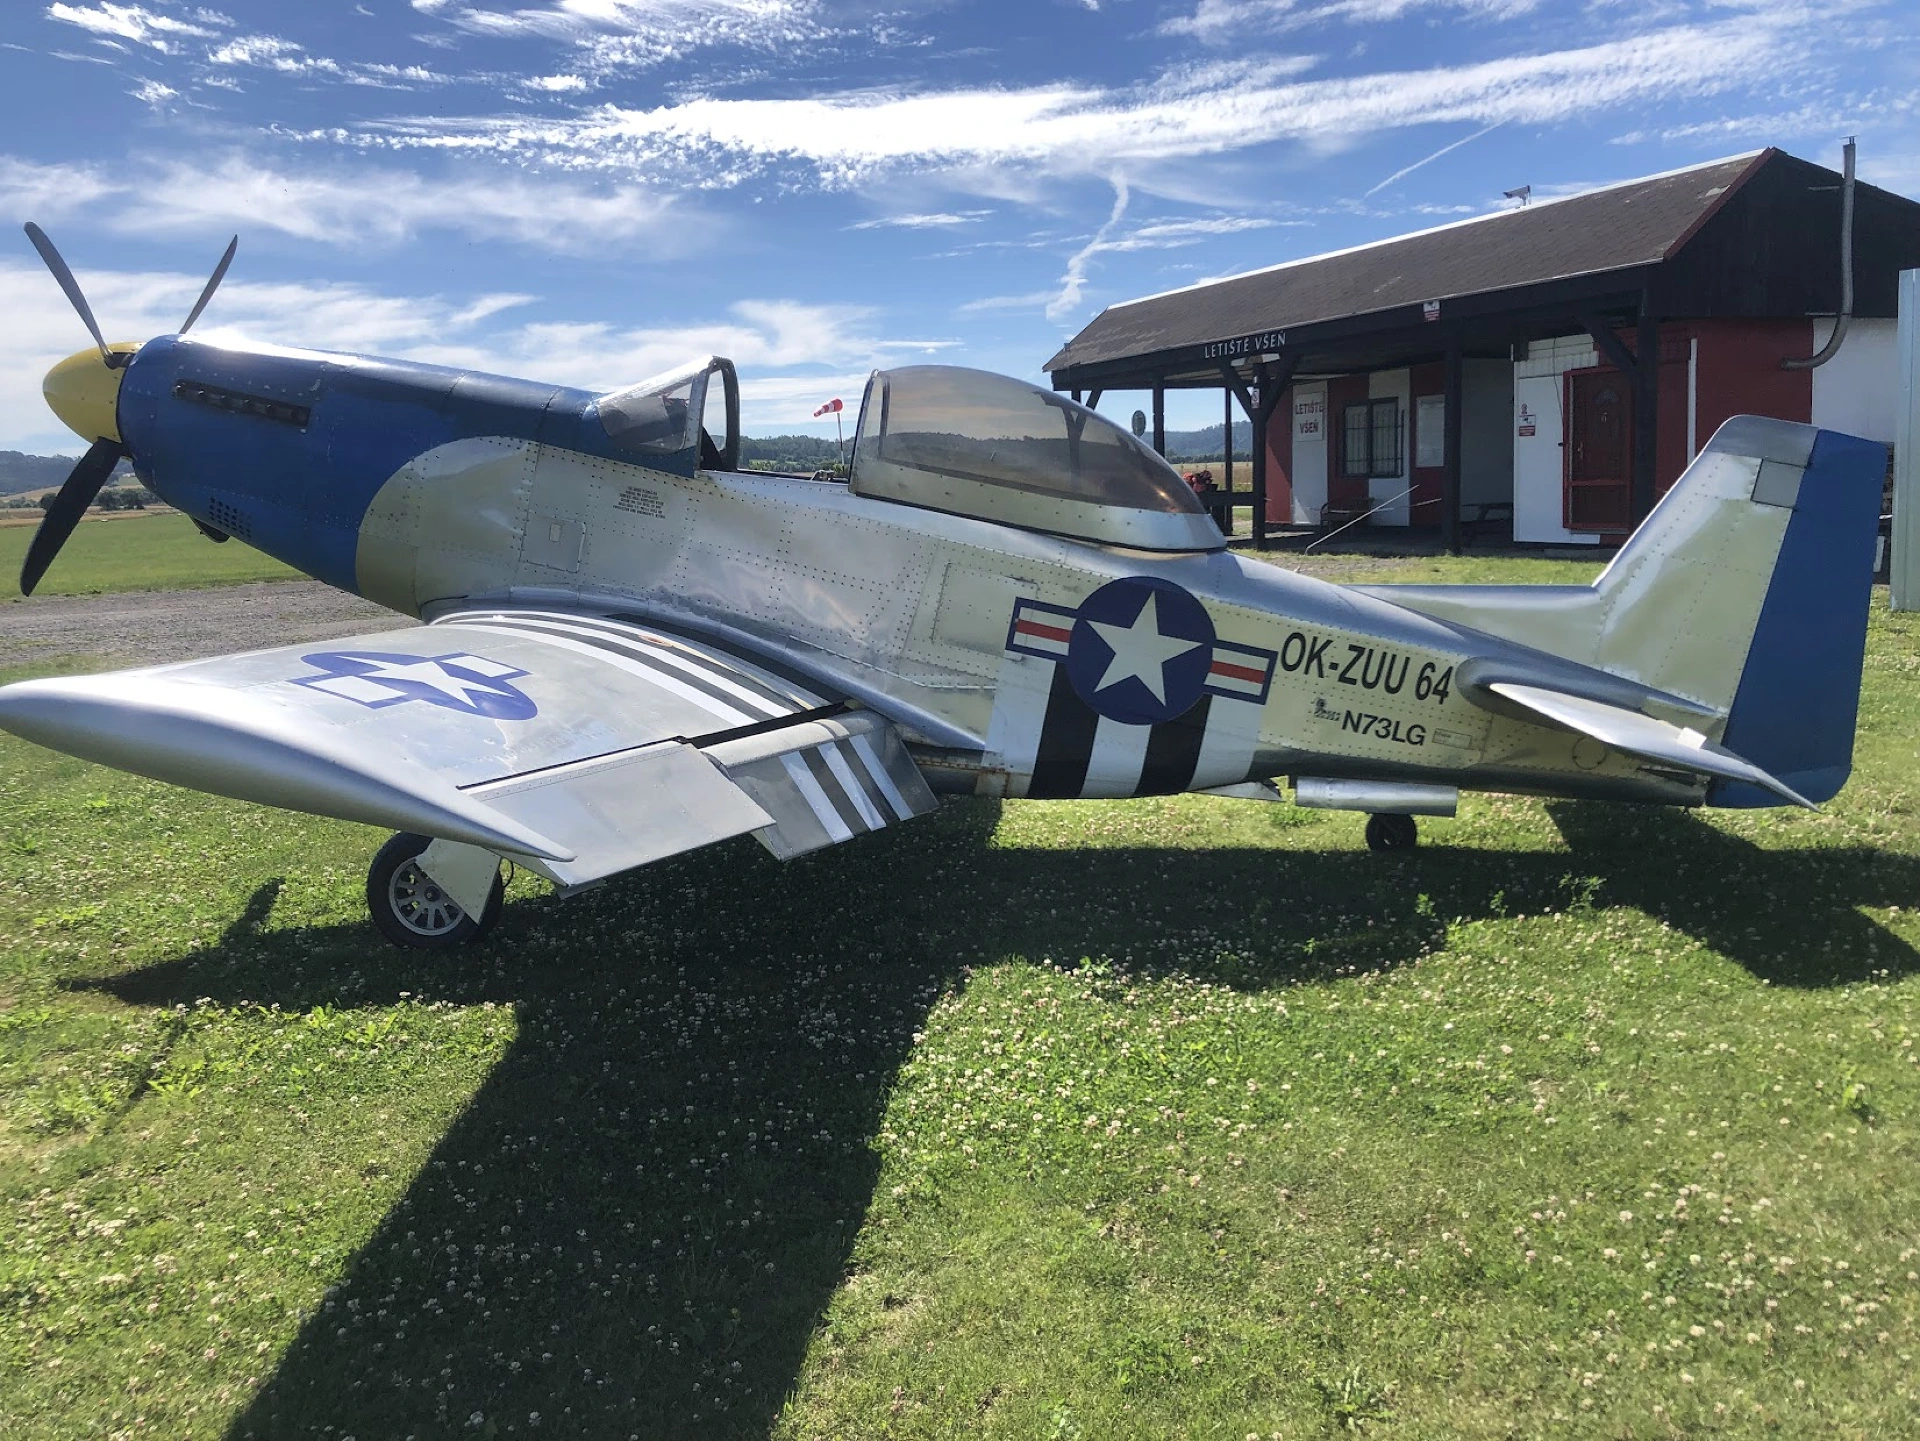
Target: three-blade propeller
{"x":84,"y":483}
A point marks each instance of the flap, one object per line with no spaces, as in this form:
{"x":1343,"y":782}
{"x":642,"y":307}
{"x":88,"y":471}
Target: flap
{"x":1642,"y":735}
{"x":623,"y":811}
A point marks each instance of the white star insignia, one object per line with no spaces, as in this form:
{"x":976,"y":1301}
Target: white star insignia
{"x":1140,"y":650}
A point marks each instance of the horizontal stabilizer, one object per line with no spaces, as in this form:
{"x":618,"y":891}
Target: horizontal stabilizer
{"x":1644,"y":736}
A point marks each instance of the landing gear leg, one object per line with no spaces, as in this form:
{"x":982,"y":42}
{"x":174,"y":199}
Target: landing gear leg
{"x":1392,"y":833}
{"x":409,"y":909}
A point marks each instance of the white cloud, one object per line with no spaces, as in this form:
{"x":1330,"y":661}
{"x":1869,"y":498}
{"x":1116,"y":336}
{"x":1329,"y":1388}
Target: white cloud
{"x":1405,"y":170}
{"x":1058,"y":129}
{"x":625,"y":34}
{"x":1074,"y":282}
{"x":1217,"y":21}
{"x":1032,"y":300}
{"x":556,"y":84}
{"x":352,"y":207}
{"x":152,"y":92}
{"x":137,"y":24}
{"x":940,"y":220}
{"x":286,"y":57}
{"x":792,"y":355}
{"x":47,"y":192}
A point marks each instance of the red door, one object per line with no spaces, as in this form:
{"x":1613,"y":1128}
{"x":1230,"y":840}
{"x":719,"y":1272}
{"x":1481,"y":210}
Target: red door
{"x":1599,"y":489}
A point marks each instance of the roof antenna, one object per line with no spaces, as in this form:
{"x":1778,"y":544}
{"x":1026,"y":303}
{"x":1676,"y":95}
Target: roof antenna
{"x":1832,"y":347}
{"x":1523,"y":194}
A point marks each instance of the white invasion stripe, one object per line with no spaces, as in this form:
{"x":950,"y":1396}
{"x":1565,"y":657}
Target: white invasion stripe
{"x":1226,"y":750}
{"x":1119,"y":756}
{"x":713,"y":674}
{"x":666,"y":682}
{"x":856,"y":792}
{"x":1019,"y":713}
{"x":701,"y":656}
{"x":871,"y":761}
{"x":810,"y":792}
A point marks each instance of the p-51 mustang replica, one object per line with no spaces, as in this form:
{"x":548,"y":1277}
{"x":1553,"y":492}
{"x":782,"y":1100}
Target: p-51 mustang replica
{"x":629,"y":647}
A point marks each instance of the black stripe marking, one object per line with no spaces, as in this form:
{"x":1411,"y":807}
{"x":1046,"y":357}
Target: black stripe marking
{"x":736,"y":669}
{"x":772,"y":665}
{"x":634,"y":650}
{"x":1173,"y":750}
{"x":1066,"y":743}
{"x":836,"y":795}
{"x":882,"y":807}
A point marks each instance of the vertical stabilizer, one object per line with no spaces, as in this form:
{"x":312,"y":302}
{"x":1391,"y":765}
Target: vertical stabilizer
{"x":1745,"y":590}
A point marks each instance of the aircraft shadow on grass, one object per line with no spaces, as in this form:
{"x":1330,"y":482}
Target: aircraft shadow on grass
{"x":674,"y":1024}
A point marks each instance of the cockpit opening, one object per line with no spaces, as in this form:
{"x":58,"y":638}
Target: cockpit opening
{"x":977,"y":444}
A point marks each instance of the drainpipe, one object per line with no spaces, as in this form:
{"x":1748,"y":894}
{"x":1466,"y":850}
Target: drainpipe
{"x":1832,"y":347}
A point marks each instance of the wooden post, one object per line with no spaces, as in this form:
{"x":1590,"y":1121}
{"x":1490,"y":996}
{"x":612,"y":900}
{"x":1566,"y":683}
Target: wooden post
{"x":1646,"y":406}
{"x":1450,"y":477}
{"x":1262,"y":409}
{"x":1160,"y":420}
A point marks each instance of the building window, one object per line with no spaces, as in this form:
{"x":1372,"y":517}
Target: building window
{"x":1370,"y":434}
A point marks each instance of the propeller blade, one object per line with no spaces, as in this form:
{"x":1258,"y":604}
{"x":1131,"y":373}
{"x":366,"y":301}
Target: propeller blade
{"x":219,"y":274}
{"x":69,"y":285}
{"x":83,"y":483}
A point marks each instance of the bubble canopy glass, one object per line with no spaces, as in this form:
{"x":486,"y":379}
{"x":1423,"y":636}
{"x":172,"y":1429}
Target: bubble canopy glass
{"x":983,"y":445}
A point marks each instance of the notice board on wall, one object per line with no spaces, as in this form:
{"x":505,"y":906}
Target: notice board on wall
{"x":1430,"y":431}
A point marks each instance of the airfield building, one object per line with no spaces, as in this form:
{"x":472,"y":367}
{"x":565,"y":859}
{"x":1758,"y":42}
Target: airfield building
{"x":1552,"y":368}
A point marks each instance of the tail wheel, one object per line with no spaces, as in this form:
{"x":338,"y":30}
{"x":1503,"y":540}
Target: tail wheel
{"x":410,"y":909}
{"x":1392,"y":833}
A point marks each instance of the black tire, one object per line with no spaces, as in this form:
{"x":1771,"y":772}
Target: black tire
{"x":409,"y":910}
{"x":1392,"y":833}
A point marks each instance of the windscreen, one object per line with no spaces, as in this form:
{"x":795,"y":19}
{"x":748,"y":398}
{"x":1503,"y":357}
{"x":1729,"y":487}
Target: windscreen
{"x":657,"y":416}
{"x":972,"y":425}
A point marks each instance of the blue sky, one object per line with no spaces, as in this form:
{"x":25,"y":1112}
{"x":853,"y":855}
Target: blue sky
{"x":588,"y":190}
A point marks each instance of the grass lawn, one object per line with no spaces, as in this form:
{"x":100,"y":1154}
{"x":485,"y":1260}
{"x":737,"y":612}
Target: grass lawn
{"x":146,"y":552}
{"x":1181,"y":1117}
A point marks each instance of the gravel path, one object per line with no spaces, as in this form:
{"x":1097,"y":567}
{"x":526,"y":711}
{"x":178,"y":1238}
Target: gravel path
{"x":156,"y":626}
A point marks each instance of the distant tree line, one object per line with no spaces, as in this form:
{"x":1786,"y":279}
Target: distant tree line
{"x":789,"y":452}
{"x":810,"y":452}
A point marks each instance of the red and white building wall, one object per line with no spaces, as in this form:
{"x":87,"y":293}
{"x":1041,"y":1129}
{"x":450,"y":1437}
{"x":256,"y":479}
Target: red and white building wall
{"x":1526,"y":423}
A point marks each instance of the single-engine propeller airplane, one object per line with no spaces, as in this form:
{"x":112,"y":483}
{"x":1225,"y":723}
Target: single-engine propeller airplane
{"x":629,"y":647}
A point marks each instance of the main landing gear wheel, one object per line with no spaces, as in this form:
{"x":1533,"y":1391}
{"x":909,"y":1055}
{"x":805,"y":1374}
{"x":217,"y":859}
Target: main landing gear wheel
{"x":409,"y":909}
{"x":1392,"y":833}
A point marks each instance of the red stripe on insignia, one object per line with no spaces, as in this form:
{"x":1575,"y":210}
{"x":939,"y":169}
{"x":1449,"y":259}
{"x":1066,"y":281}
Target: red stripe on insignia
{"x":1045,"y":632}
{"x":1251,"y":674}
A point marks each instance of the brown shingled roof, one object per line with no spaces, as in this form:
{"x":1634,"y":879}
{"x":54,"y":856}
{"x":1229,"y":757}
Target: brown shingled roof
{"x":1637,"y":223}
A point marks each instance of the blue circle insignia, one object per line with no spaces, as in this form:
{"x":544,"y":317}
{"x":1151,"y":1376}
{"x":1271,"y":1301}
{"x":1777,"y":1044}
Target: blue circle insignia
{"x":1141,"y":650}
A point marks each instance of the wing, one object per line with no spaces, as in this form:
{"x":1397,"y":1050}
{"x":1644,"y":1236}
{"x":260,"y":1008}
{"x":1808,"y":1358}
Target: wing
{"x":1642,"y":735}
{"x":581,"y":745}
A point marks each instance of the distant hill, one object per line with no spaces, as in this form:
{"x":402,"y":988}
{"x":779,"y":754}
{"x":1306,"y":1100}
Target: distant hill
{"x":1204,"y":444}
{"x":20,"y":472}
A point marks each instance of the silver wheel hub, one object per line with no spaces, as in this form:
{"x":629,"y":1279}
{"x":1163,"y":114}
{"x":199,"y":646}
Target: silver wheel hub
{"x":419,"y":904}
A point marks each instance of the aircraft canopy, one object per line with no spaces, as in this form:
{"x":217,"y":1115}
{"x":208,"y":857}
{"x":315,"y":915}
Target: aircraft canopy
{"x":972,"y":443}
